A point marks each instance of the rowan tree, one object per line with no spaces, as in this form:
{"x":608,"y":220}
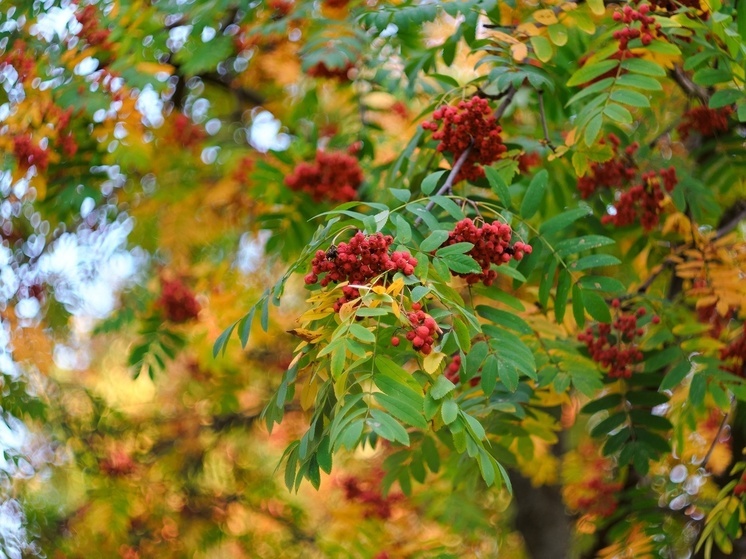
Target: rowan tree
{"x":484,"y":263}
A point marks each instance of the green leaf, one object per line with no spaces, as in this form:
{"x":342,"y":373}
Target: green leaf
{"x":579,"y":244}
{"x":462,"y":264}
{"x":597,"y":87}
{"x":593,"y":129}
{"x":725,"y":97}
{"x":449,"y":206}
{"x":362,"y":333}
{"x":222,"y":341}
{"x":498,"y":186}
{"x":618,"y":113}
{"x":441,"y":387}
{"x":603,"y":403}
{"x":489,"y":374}
{"x":563,"y":290}
{"x":449,"y":411}
{"x":433,"y":241}
{"x":596,"y":307}
{"x":578,"y":307}
{"x":401,"y":410}
{"x":629,"y":97}
{"x":640,"y":82}
{"x":387,"y":427}
{"x":594,"y":261}
{"x":663,"y":358}
{"x":560,"y":221}
{"x":609,"y":424}
{"x":615,"y":441}
{"x":711,"y":76}
{"x":645,"y":67}
{"x":431,"y":181}
{"x":590,"y":71}
{"x":503,"y":318}
{"x":534,"y":194}
{"x":338,"y":360}
{"x":462,"y":335}
{"x":602,"y":283}
{"x":244,"y":327}
{"x":677,"y":374}
{"x":456,"y":248}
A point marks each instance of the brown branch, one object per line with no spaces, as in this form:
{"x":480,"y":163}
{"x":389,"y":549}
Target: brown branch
{"x":732,"y":217}
{"x":448,"y":185}
{"x":690,"y":88}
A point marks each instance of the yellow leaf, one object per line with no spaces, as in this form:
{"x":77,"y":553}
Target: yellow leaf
{"x":546,"y":17}
{"x":395,"y":288}
{"x":519,"y":52}
{"x":395,"y":309}
{"x":432,"y":362}
{"x":570,"y":139}
{"x":706,"y":301}
{"x":597,"y":7}
{"x":153,"y":68}
{"x":310,"y":336}
{"x":504,"y":37}
{"x":308,"y":394}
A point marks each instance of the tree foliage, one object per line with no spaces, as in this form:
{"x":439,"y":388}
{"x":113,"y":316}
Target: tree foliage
{"x":463,"y":260}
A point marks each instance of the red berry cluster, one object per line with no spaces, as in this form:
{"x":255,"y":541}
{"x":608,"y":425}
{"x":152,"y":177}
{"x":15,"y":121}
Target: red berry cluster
{"x":617,"y":172}
{"x":336,"y":3}
{"x":526,"y":161}
{"x":178,"y":301}
{"x":469,"y":124}
{"x":334,"y":176}
{"x":648,"y":28}
{"x":339,"y":73}
{"x":22,"y":61}
{"x":185,"y":132}
{"x":91,"y":32}
{"x":734,"y":356}
{"x":595,"y":493}
{"x":370,"y":496}
{"x":491,"y":246}
{"x":280,"y":8}
{"x":643,"y":200}
{"x":424,"y":329}
{"x":28,"y":153}
{"x":451,"y":372}
{"x":358,"y":262}
{"x":705,"y":121}
{"x":674,"y":6}
{"x":614,"y":345}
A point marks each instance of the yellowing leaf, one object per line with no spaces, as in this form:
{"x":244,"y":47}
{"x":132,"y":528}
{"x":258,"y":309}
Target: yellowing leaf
{"x":432,"y":362}
{"x":558,"y":34}
{"x":542,"y":48}
{"x":154,"y":68}
{"x":597,"y":7}
{"x":310,"y":336}
{"x":545,"y":17}
{"x":504,"y":37}
{"x":519,"y":52}
{"x":395,"y":288}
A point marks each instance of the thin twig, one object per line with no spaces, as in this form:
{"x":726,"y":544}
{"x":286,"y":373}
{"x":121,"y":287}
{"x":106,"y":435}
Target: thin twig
{"x":543,"y":117}
{"x":448,"y":185}
{"x":732,"y":223}
{"x":714,"y":441}
{"x":509,"y":94}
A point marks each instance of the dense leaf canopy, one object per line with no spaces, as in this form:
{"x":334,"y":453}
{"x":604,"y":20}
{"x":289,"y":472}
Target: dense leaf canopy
{"x":471,"y":273}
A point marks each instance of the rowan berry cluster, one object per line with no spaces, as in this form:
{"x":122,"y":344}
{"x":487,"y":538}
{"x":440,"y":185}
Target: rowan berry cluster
{"x":647,"y":30}
{"x":20,"y":59}
{"x":734,"y":356}
{"x":451,"y":372}
{"x":185,"y":132}
{"x":424,"y":329}
{"x":177,"y":301}
{"x":614,"y":346}
{"x":334,"y":176}
{"x":90,"y":31}
{"x":705,"y":121}
{"x":592,"y":489}
{"x":280,"y":8}
{"x":28,"y":153}
{"x":358,"y":262}
{"x":644,"y":200}
{"x":370,"y":496}
{"x":617,"y":172}
{"x":491,"y":246}
{"x":526,"y":161}
{"x":469,"y":125}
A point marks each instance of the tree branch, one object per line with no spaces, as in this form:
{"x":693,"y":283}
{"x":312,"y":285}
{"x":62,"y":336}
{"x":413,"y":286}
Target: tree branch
{"x":690,"y":88}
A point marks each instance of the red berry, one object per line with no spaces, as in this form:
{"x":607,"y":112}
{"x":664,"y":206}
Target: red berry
{"x":395,"y":341}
